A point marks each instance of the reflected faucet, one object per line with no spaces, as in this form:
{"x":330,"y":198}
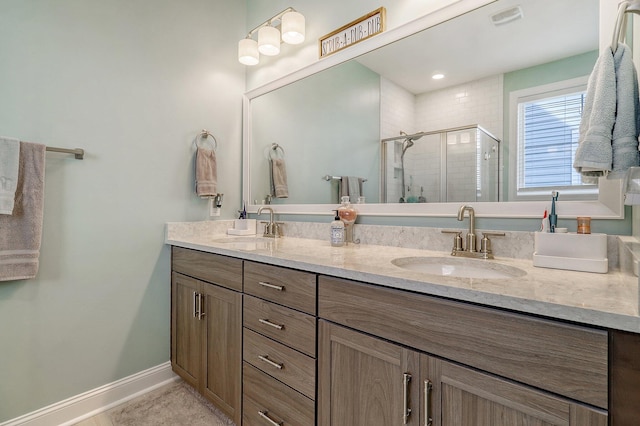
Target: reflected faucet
{"x":271,"y":228}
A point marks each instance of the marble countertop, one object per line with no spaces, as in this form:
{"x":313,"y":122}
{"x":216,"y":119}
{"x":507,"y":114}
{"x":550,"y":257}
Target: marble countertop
{"x":606,"y":300}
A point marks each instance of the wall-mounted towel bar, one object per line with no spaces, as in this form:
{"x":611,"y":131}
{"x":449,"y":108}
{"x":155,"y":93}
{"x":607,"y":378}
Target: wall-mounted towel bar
{"x":78,"y":152}
{"x":329,"y":177}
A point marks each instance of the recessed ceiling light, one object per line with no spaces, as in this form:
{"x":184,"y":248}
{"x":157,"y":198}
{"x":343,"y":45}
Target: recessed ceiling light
{"x":437,"y":76}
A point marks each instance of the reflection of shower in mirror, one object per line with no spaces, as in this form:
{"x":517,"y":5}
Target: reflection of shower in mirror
{"x":407,"y":143}
{"x":459,"y":164}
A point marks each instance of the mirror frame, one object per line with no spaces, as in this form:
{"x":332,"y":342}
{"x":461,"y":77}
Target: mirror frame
{"x":610,"y":202}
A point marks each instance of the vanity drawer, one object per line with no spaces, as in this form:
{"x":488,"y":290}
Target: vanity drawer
{"x":291,"y":367}
{"x":214,"y":268}
{"x":565,"y":359}
{"x":287,"y":326}
{"x":283,"y":405}
{"x":295,"y":289}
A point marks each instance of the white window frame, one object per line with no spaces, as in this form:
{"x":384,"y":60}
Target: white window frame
{"x":586,"y":192}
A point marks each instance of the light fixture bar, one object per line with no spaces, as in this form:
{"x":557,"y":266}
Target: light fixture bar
{"x":292,"y":25}
{"x":277,"y":17}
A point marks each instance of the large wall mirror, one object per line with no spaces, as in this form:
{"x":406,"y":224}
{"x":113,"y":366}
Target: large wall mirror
{"x":341,"y":126}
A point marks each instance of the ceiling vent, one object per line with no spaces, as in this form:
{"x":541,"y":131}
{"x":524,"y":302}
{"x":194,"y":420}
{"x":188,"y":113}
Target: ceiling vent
{"x":506,"y":16}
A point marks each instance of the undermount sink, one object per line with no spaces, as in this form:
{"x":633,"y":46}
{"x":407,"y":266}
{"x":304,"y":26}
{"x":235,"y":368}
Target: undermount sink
{"x":456,"y":267}
{"x":247,"y":239}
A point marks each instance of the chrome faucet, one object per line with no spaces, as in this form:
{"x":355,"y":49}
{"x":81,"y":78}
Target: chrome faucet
{"x":471,"y":243}
{"x":271,"y":228}
{"x":471,"y":235}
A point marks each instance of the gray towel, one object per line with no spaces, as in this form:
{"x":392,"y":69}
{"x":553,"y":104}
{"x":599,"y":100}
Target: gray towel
{"x":594,"y":156}
{"x":9,"y":160}
{"x":625,"y":129}
{"x":351,"y":186}
{"x":279,"y":184}
{"x":21,"y":233}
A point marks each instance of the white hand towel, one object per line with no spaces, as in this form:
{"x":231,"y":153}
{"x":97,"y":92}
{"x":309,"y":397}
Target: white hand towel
{"x":625,"y":129}
{"x":594,"y":156}
{"x":9,"y":161}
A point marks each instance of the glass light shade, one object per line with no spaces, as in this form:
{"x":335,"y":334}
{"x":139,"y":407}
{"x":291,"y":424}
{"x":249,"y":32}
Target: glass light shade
{"x":269,"y":40}
{"x":248,"y":51}
{"x":293,"y":27}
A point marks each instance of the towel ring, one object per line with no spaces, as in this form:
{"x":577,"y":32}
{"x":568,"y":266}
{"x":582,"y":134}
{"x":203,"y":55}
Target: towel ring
{"x":204,"y":135}
{"x":274,"y":150}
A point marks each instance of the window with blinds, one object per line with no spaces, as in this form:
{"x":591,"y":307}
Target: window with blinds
{"x":547,"y":138}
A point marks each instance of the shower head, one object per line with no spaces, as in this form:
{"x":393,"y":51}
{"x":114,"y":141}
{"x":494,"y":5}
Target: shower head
{"x":410,"y":139}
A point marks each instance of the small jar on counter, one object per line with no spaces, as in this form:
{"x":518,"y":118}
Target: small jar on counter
{"x":584,"y":225}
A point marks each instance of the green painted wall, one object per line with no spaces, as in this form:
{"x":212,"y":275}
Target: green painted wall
{"x":132,"y":83}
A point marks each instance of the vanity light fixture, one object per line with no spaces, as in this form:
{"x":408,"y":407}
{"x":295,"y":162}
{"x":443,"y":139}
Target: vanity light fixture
{"x":290,"y":22}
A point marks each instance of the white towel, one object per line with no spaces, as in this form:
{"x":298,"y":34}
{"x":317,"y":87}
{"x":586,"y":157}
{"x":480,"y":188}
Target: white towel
{"x":625,"y":129}
{"x":21,"y":233}
{"x":9,"y":161}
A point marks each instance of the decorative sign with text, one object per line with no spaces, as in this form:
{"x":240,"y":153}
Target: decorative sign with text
{"x":354,"y":32}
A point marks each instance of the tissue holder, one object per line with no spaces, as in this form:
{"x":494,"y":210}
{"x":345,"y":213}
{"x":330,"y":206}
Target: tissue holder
{"x":574,"y":252}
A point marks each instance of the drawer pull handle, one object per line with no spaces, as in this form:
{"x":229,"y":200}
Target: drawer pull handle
{"x":428,"y":420}
{"x":266,"y":359}
{"x":265,"y":415}
{"x":406,"y":378}
{"x":273,"y":286}
{"x":270,"y":324}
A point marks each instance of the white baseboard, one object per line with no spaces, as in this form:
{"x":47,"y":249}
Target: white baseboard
{"x":93,"y":402}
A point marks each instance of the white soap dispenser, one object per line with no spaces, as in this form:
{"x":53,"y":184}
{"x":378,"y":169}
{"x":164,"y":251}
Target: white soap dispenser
{"x":337,"y":231}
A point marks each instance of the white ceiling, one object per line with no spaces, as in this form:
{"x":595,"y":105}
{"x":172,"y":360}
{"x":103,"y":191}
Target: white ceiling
{"x":470,"y":47}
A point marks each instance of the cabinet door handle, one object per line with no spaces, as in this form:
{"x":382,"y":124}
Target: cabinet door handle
{"x":273,"y":286}
{"x":406,"y":378}
{"x":265,"y":415}
{"x":266,"y":359}
{"x":201,"y":312}
{"x":195,"y":304}
{"x":428,"y":420}
{"x":270,"y":324}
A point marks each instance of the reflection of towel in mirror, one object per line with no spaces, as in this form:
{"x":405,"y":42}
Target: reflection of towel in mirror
{"x":9,"y":160}
{"x":279,"y":186}
{"x":593,"y":155}
{"x":206,"y":173}
{"x":21,"y":233}
{"x":351,"y":186}
{"x":625,"y":130}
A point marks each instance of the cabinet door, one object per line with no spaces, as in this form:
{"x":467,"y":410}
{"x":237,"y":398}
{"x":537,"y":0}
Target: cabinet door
{"x":222,"y":351}
{"x":460,"y":396}
{"x":185,"y":328}
{"x":364,"y":381}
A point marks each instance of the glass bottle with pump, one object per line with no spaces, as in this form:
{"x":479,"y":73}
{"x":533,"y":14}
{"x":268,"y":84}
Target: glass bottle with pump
{"x":348,"y":215}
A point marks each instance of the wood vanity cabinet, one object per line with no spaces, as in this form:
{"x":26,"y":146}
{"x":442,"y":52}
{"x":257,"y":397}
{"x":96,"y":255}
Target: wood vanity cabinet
{"x":452,"y":362}
{"x":279,"y":346}
{"x":206,"y":326}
